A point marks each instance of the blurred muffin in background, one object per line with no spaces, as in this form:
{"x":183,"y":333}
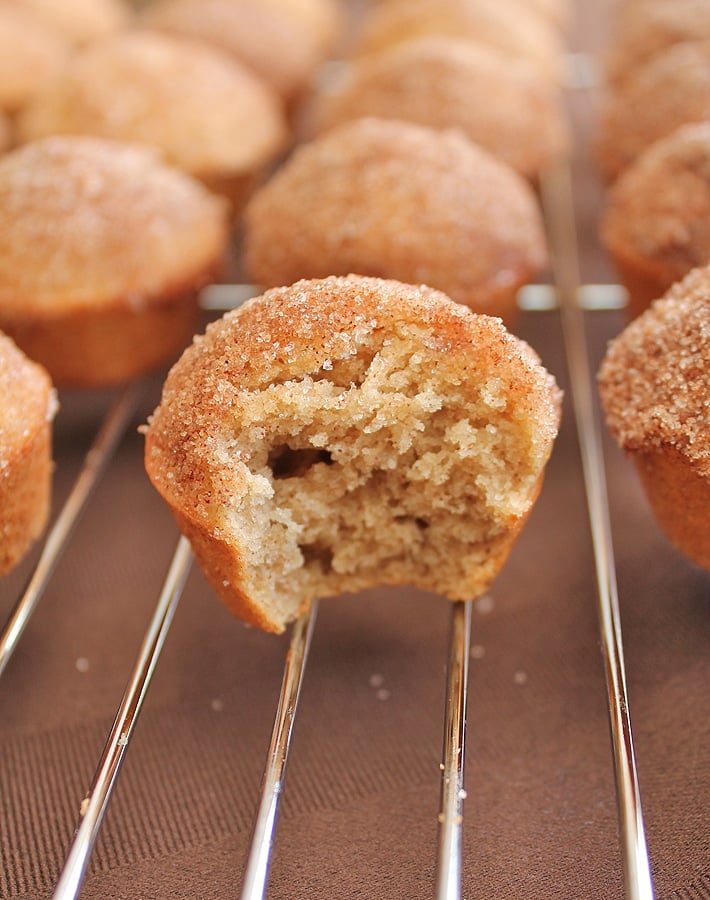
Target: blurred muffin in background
{"x":511,"y":28}
{"x":79,"y":21}
{"x":103,"y":249}
{"x":396,"y":200}
{"x":670,"y":90}
{"x":208,"y":115}
{"x":446,"y":82}
{"x":272,"y":41}
{"x":31,"y":56}
{"x":656,"y":224}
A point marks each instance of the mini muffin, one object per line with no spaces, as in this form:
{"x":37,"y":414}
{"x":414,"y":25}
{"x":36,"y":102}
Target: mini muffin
{"x":339,"y":434}
{"x":446,"y":82}
{"x":208,"y":115}
{"x":270,"y":41}
{"x":387,"y":198}
{"x":102,"y":251}
{"x":27,"y":406}
{"x":656,"y":225}
{"x":655,"y":386}
{"x":79,"y":21}
{"x":671,"y":90}
{"x":646,"y":29}
{"x":512,"y":29}
{"x":30,"y":57}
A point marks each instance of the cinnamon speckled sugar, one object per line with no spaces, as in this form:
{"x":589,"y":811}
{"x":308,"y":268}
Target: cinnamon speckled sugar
{"x":348,"y":432}
{"x":655,"y":386}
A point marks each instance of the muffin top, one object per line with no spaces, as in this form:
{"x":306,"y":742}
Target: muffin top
{"x":204,"y":111}
{"x":79,"y":21}
{"x":271,"y":42}
{"x":658,"y":211}
{"x":447,"y":82}
{"x":86,"y":221}
{"x":388,"y":198}
{"x":655,"y":378}
{"x":670,"y":90}
{"x":512,"y":28}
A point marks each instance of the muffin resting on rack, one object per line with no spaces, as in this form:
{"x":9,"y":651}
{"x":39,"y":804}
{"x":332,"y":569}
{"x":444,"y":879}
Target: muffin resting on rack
{"x":102,"y":251}
{"x":655,"y":387}
{"x":447,"y":82}
{"x":397,"y":200}
{"x":27,"y":407}
{"x":656,"y":224}
{"x":343,"y":433}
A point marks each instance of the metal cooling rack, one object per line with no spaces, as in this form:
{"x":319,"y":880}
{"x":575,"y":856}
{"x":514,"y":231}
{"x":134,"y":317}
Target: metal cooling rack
{"x":571,"y":299}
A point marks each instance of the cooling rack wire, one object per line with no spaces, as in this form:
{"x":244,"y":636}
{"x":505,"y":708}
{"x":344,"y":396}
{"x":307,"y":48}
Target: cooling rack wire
{"x":571,"y":298}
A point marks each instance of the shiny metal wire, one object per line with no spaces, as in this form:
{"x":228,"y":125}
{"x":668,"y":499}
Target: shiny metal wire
{"x":97,"y":799}
{"x":98,"y":456}
{"x":257,"y":869}
{"x":558,"y":204}
{"x":449,"y":860}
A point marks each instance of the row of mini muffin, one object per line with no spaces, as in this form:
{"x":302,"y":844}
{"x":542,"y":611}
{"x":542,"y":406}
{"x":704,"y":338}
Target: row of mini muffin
{"x":654,"y":145}
{"x":210,"y":83}
{"x":407,"y":170}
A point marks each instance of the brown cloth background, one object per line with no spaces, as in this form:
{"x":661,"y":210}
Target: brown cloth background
{"x":362,"y":790}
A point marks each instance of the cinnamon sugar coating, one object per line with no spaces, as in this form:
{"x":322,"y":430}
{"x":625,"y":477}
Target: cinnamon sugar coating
{"x":670,"y":90}
{"x":206,"y":113}
{"x":388,"y":198}
{"x":342,"y":433}
{"x":511,"y":28}
{"x":94,"y":231}
{"x":655,"y":378}
{"x":447,"y":82}
{"x":27,"y":406}
{"x":657,"y":220}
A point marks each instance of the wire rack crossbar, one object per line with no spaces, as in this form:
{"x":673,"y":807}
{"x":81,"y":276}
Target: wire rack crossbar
{"x":558,"y":204}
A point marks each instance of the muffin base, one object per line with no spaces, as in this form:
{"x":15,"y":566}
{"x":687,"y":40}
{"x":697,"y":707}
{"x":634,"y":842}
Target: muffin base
{"x":680,"y":498}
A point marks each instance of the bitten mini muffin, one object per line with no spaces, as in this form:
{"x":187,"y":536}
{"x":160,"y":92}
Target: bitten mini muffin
{"x":670,"y":90}
{"x":655,"y":387}
{"x":656,"y":224}
{"x":344,"y":433}
{"x":102,"y":251}
{"x":513,"y":29}
{"x":208,"y":115}
{"x":446,"y":82}
{"x":27,"y":407}
{"x":392,"y":199}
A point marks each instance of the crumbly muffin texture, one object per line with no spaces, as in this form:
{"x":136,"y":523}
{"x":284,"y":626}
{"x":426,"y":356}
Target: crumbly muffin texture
{"x":349,"y":432}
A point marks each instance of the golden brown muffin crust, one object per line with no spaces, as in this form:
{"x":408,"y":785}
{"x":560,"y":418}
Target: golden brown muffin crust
{"x":655,"y":378}
{"x":658,"y":212}
{"x":670,"y":90}
{"x":86,"y":222}
{"x":27,"y":406}
{"x":31,"y":55}
{"x":79,"y":21}
{"x":206,"y":113}
{"x":328,"y":436}
{"x":389,"y":198}
{"x":447,"y":82}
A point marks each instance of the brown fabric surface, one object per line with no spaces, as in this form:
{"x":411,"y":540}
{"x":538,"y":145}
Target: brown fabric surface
{"x":362,"y":790}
